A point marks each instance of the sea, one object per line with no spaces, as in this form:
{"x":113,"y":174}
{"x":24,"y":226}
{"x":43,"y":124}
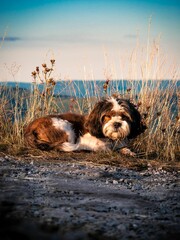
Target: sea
{"x":82,"y":89}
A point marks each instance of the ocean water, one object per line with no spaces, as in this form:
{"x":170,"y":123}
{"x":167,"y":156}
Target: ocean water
{"x":87,"y":89}
{"x":82,"y":89}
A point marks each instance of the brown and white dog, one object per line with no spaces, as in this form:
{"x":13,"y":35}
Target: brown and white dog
{"x":109,"y":126}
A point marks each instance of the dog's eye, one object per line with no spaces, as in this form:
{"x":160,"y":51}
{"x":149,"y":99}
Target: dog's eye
{"x":106,"y":118}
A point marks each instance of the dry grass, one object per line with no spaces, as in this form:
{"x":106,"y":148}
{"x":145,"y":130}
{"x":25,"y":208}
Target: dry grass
{"x":158,"y":106}
{"x":159,"y":109}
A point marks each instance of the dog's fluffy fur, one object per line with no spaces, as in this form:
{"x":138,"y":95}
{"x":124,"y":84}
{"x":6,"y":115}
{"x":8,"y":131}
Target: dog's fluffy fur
{"x":111,"y":123}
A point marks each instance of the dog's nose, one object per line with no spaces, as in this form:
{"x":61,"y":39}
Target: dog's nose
{"x":117,"y":125}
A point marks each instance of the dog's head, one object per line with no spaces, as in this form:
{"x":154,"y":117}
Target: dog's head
{"x":115,"y":118}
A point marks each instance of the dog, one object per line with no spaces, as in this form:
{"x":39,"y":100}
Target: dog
{"x":109,"y":126}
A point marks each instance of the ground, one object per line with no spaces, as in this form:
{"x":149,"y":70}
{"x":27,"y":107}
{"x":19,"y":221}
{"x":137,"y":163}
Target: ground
{"x":79,"y":196}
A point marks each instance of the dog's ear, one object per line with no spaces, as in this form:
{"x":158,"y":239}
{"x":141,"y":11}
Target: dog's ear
{"x":93,"y":123}
{"x":137,"y":128}
{"x":137,"y":125}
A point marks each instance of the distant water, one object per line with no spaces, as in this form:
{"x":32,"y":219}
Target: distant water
{"x":82,"y":89}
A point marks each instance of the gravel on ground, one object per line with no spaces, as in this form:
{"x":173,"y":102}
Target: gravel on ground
{"x":74,"y":200}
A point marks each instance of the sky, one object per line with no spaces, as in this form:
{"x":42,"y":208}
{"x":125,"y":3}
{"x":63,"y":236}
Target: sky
{"x":89,"y":39}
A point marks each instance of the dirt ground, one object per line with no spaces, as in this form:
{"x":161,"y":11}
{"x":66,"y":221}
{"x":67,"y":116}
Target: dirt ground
{"x":75,"y":197}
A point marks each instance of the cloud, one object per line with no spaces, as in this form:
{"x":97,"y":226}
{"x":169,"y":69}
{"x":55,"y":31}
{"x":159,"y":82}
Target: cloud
{"x":10,"y":39}
{"x":74,"y":38}
{"x":132,"y":36}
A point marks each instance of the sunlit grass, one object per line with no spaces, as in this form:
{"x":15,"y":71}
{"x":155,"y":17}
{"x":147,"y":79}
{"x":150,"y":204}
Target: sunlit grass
{"x":159,"y":106}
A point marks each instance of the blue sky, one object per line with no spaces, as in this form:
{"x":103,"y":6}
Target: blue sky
{"x":79,"y":33}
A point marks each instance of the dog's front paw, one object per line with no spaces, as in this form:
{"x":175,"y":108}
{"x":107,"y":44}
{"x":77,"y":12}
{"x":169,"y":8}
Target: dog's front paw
{"x":126,"y":151}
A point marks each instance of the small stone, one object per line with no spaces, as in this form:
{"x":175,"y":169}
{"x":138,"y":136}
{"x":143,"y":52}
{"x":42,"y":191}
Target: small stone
{"x":2,"y":159}
{"x":36,"y":213}
{"x":121,"y":227}
{"x":115,"y":182}
{"x":137,"y":187}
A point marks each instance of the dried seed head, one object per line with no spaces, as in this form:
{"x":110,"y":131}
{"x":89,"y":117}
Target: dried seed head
{"x":33,"y":73}
{"x":50,"y":80}
{"x":128,"y":90}
{"x":44,"y":65}
{"x":47,"y":69}
{"x":105,"y":85}
{"x":52,"y":61}
{"x":53,"y":83}
{"x":107,"y":81}
{"x":37,"y":69}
